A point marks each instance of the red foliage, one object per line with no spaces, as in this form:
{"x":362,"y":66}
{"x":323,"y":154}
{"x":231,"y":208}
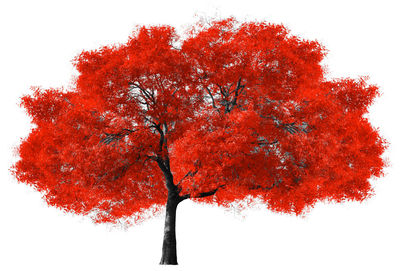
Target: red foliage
{"x":234,"y":110}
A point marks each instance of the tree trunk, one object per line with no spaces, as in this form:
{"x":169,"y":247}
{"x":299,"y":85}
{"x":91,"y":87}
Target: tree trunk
{"x":169,"y":244}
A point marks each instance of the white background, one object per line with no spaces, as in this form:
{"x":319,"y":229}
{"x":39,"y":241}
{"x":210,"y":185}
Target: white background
{"x":39,"y":40}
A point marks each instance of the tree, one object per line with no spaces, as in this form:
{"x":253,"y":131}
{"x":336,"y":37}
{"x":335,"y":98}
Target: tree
{"x":233,"y":111}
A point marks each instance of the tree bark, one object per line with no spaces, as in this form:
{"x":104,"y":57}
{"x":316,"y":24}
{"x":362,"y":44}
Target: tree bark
{"x":169,"y":256}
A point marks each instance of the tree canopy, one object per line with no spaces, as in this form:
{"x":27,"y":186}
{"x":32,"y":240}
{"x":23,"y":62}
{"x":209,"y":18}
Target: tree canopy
{"x":229,"y":111}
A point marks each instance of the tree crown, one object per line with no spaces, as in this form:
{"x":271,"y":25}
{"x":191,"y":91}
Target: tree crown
{"x":233,"y":111}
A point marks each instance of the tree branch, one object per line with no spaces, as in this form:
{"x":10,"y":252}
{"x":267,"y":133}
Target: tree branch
{"x":209,"y":193}
{"x":263,"y":142}
{"x":291,"y":128}
{"x":147,"y":95}
{"x":116,"y":137}
{"x":190,"y":173}
{"x":203,"y":194}
{"x":212,"y":97}
{"x":275,"y":184}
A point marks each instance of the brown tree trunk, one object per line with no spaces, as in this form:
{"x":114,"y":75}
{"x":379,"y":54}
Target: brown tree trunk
{"x":169,"y":244}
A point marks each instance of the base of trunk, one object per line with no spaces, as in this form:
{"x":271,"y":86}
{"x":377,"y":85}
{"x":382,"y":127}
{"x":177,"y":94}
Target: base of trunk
{"x":167,"y":262}
{"x":169,"y":256}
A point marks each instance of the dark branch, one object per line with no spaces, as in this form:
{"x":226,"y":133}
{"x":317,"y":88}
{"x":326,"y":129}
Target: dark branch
{"x":209,"y":193}
{"x":212,"y":97}
{"x":203,"y":194}
{"x":292,"y":128}
{"x":146,"y":94}
{"x":120,"y":172}
{"x":190,"y":173}
{"x":109,"y":138}
{"x":264,"y":142}
{"x":275,"y":184}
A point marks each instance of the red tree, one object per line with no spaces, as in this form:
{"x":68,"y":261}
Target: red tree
{"x":234,"y":111}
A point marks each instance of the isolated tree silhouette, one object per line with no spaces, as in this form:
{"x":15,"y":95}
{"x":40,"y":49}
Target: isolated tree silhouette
{"x":233,"y":111}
